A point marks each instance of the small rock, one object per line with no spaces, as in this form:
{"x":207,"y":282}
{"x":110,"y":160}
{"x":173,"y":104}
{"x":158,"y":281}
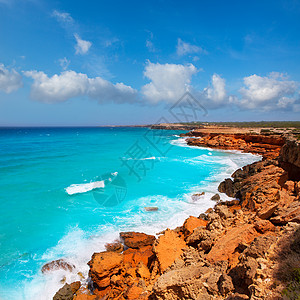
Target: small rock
{"x":267,"y":212}
{"x":56,"y":265}
{"x":215,"y":197}
{"x":115,"y":246}
{"x":225,"y":284}
{"x":195,"y":197}
{"x":151,"y":208}
{"x":263,"y":226}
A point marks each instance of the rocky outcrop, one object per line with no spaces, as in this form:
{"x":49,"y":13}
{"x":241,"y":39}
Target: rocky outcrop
{"x":267,"y":146}
{"x":290,"y":158}
{"x":137,"y":239}
{"x":246,"y":248}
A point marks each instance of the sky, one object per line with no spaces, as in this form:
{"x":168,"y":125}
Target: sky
{"x":89,"y":63}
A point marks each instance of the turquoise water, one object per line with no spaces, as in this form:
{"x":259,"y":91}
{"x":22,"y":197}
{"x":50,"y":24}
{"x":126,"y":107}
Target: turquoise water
{"x":65,"y":192}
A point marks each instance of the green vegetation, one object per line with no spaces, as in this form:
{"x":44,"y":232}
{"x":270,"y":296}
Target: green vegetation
{"x":263,"y":124}
{"x":289,"y":269}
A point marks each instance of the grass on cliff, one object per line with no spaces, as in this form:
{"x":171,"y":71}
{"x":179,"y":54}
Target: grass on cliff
{"x":261,"y":124}
{"x":288,"y":271}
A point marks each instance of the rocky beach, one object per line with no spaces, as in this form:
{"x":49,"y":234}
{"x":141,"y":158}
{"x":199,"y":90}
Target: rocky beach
{"x":246,"y":248}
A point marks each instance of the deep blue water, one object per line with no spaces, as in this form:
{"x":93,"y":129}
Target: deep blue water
{"x":65,"y":192}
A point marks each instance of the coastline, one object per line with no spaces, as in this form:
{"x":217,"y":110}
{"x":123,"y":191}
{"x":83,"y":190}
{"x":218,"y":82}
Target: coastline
{"x":183,"y":239}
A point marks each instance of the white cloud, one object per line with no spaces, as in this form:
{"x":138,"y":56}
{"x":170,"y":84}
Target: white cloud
{"x":70,"y":84}
{"x":10,"y":80}
{"x":82,"y":46}
{"x":216,"y":92}
{"x":184,"y":48}
{"x":64,"y":63}
{"x":62,"y":17}
{"x":271,"y":92}
{"x":168,"y":81}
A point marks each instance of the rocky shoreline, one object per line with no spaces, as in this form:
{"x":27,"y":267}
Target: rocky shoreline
{"x":247,"y":248}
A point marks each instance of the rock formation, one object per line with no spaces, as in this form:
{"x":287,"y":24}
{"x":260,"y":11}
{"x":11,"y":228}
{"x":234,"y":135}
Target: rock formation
{"x":246,"y":248}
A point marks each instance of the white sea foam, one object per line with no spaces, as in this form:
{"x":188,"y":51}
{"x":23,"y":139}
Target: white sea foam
{"x":143,"y":158}
{"x":84,"y":187}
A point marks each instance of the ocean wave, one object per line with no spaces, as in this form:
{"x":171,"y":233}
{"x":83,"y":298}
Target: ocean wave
{"x":144,"y":158}
{"x":84,"y":187}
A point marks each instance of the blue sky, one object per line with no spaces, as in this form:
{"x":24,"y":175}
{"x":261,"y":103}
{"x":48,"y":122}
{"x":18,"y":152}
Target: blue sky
{"x":127,"y":62}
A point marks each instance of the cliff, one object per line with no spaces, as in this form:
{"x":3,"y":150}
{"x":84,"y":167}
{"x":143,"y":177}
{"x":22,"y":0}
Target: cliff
{"x":247,"y":248}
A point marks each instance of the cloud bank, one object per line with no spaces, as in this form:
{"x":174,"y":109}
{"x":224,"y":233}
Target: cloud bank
{"x":10,"y":80}
{"x":70,"y":84}
{"x":271,"y":92}
{"x":167,"y":84}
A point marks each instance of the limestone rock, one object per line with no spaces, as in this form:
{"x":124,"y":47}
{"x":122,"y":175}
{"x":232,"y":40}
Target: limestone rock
{"x":167,"y":248}
{"x":102,"y":266}
{"x":225,"y":284}
{"x":134,"y":256}
{"x":67,"y":291}
{"x":137,"y":239}
{"x":115,"y":246}
{"x":191,"y":223}
{"x":225,"y":247}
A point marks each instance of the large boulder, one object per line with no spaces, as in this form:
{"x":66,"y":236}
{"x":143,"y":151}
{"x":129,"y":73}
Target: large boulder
{"x":168,"y":248}
{"x":191,"y":223}
{"x":225,"y":248}
{"x":102,"y":266}
{"x":67,"y":291}
{"x":137,"y":239}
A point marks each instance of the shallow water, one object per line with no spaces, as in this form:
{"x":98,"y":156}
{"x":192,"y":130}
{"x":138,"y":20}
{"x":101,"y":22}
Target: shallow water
{"x":65,"y":192}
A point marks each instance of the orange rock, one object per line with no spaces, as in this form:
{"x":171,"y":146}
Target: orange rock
{"x":289,"y":186}
{"x":85,"y":297}
{"x":263,"y":226}
{"x":102,"y":293}
{"x":225,"y":247}
{"x":137,"y":239}
{"x":191,"y":223}
{"x":134,"y":292}
{"x":168,"y":247}
{"x":115,"y":246}
{"x":134,"y":256}
{"x":143,"y":271}
{"x":103,"y":265}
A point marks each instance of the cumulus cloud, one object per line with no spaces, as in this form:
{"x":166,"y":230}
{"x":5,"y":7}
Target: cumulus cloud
{"x":70,"y":84}
{"x":168,"y":81}
{"x":216,"y":92}
{"x":10,"y":80}
{"x":271,"y":92}
{"x":184,"y":48}
{"x":82,"y":46}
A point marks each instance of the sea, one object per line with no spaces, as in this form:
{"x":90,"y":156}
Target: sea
{"x":66,"y":192}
